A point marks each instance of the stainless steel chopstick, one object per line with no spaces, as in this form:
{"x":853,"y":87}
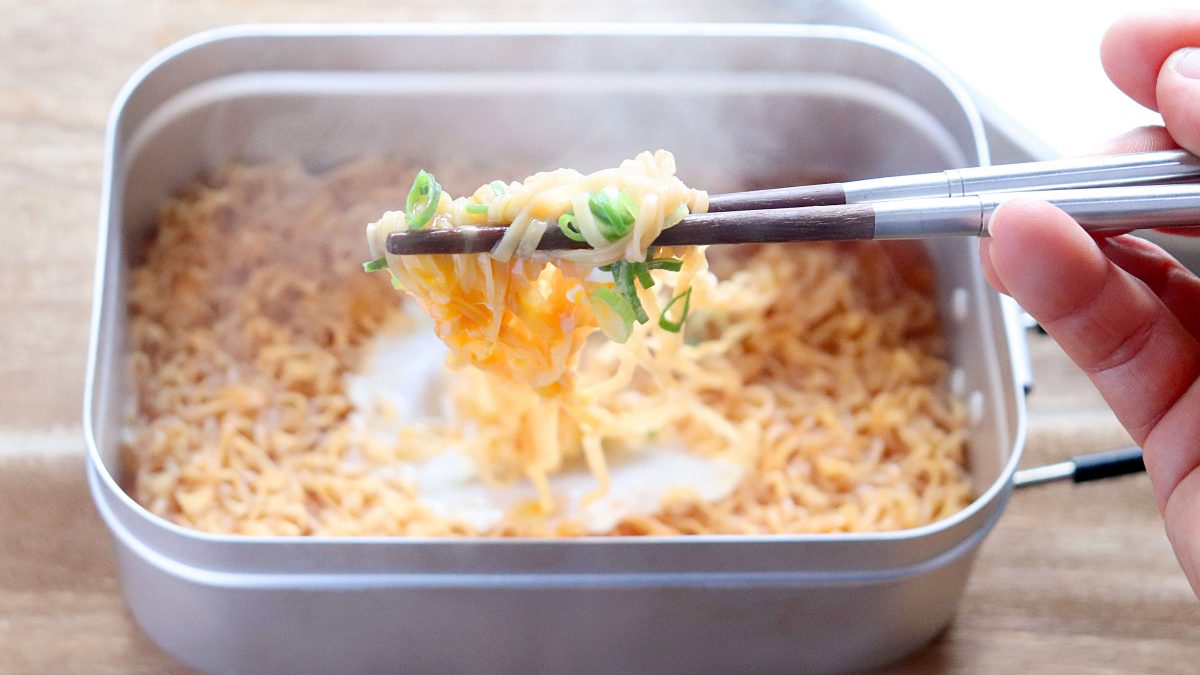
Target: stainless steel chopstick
{"x":1076,"y":172}
{"x":1096,"y":209}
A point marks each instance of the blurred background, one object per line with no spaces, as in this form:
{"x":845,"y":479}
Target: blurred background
{"x":1035,"y":62}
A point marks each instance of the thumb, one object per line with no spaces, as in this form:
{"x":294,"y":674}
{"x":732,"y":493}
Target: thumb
{"x":1178,"y":95}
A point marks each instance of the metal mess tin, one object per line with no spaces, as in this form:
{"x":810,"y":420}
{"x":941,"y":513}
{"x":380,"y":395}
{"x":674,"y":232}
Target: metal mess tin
{"x":732,"y":101}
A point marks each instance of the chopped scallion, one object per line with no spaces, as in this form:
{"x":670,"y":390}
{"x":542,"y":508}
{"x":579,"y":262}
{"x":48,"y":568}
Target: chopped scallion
{"x":498,"y":187}
{"x":566,"y":223}
{"x":613,"y":314}
{"x":675,"y":216}
{"x":423,"y":200}
{"x":375,"y":265}
{"x":627,"y":205}
{"x":623,"y":276}
{"x":669,"y":264}
{"x":477,"y":209}
{"x":676,"y":326}
{"x":614,"y":212}
{"x":642,"y":272}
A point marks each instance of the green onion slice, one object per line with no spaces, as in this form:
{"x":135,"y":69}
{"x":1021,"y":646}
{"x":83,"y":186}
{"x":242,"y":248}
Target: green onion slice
{"x":477,"y":209}
{"x":615,"y":212}
{"x":375,"y":265}
{"x":624,"y":276}
{"x":669,"y":264}
{"x":676,"y":326}
{"x":675,"y":216}
{"x":627,"y":205}
{"x":613,"y":313}
{"x":566,"y":223}
{"x":423,"y":200}
{"x":642,"y":272}
{"x":498,"y":187}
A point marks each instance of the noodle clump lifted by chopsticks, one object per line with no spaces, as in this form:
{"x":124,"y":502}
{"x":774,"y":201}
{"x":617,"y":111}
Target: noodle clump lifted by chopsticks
{"x":813,"y":367}
{"x":525,"y":319}
{"x":524,"y":316}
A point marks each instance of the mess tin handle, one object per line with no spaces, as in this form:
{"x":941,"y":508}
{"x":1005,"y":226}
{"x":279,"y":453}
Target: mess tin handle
{"x":1108,"y":464}
{"x":1079,"y":469}
{"x":1083,"y":468}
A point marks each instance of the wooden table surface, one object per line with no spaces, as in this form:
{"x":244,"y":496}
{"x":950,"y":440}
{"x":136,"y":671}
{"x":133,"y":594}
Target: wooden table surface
{"x":1074,"y":578}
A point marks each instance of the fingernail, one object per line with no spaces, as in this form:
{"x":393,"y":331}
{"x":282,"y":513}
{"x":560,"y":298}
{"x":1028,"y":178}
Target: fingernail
{"x":1186,"y":62}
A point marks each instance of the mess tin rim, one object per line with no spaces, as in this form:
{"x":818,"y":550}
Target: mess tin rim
{"x":106,"y":481}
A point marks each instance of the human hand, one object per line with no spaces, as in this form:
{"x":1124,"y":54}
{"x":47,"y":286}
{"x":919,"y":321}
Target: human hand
{"x":1125,"y":311}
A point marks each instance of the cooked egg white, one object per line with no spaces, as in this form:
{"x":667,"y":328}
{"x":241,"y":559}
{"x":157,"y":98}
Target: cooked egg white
{"x":450,"y":485}
{"x":402,"y":382}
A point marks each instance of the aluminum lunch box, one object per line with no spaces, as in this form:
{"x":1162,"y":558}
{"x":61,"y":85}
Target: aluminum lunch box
{"x":731,"y":101}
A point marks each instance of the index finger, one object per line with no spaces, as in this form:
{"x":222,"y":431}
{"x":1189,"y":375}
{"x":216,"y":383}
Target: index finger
{"x":1140,"y":357}
{"x":1135,"y":47}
